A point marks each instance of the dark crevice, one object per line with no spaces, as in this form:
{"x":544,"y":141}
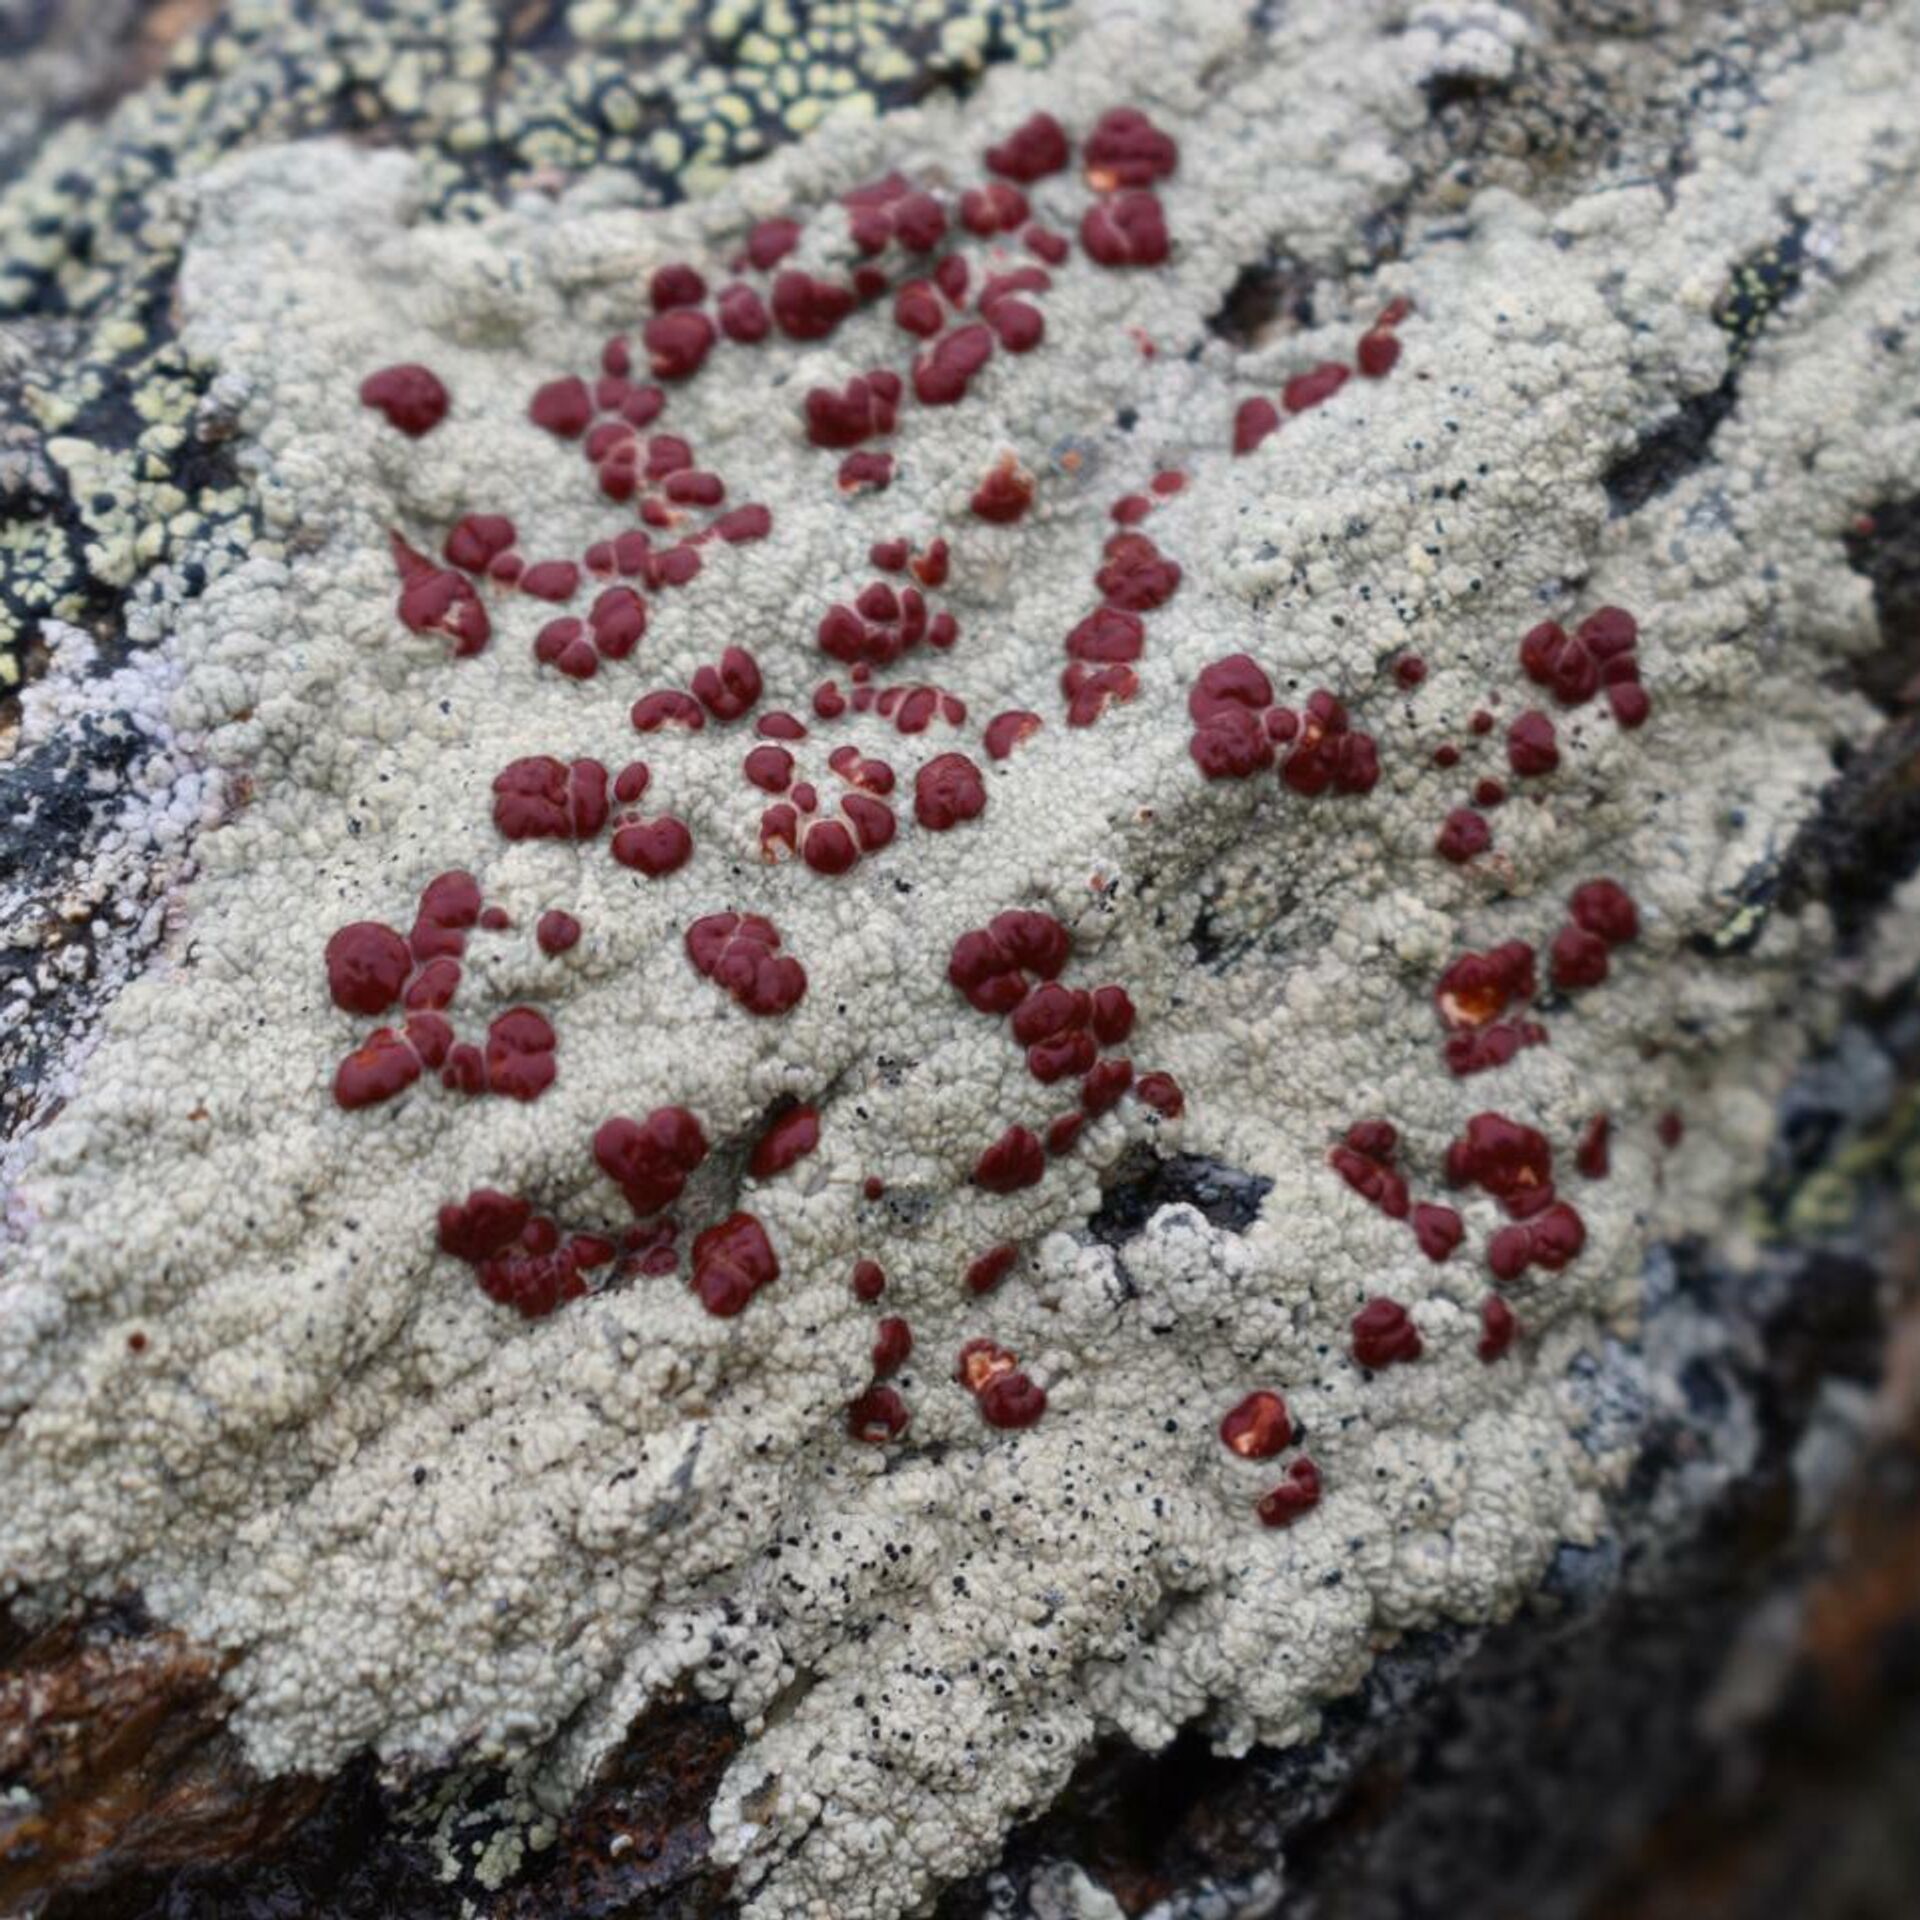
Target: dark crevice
{"x":1444,"y":90}
{"x":1884,"y":544}
{"x":1203,"y":937}
{"x":637,"y":1841}
{"x":1666,"y":453}
{"x":1142,"y":1183}
{"x":1865,"y":840}
{"x":1126,"y":1822}
{"x":1275,"y":291}
{"x":1220,"y":942}
{"x":1662,"y":457}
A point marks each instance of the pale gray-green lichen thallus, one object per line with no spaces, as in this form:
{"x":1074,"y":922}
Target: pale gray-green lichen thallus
{"x":427,"y":1525}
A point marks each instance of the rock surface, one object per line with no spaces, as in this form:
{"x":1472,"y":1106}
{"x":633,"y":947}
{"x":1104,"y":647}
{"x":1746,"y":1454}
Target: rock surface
{"x":1056,"y":1107}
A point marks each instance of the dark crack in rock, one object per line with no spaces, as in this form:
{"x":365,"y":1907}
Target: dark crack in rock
{"x":1885,"y":546}
{"x":1270,"y":295}
{"x":1866,"y":840}
{"x":1683,"y":441}
{"x":1144,"y":1182}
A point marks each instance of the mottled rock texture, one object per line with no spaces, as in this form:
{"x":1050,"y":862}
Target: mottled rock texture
{"x":1275,"y":1259}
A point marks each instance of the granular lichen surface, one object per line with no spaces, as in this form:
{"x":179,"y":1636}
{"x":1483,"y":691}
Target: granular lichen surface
{"x":770,"y":748}
{"x":111,"y":463}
